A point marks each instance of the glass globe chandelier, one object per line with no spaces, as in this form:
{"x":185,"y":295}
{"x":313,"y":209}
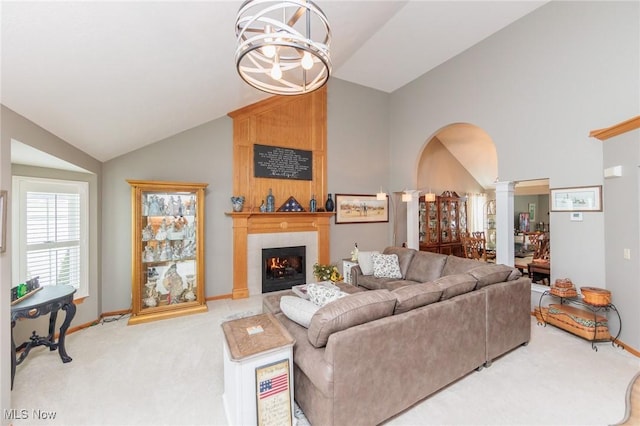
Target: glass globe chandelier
{"x":276,"y":52}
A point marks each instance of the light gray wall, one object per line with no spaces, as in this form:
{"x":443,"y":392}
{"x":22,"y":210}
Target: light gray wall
{"x":358,"y":146}
{"x":622,"y":231}
{"x":439,"y":171}
{"x":5,"y":274}
{"x":202,"y":154}
{"x":14,"y":126}
{"x":537,"y":88}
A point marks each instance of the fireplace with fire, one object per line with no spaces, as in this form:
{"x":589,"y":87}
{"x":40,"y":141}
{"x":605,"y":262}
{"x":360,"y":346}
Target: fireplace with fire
{"x":282,"y":268}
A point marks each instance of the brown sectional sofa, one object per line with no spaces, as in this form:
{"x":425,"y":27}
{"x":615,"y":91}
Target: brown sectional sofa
{"x":372,"y":354}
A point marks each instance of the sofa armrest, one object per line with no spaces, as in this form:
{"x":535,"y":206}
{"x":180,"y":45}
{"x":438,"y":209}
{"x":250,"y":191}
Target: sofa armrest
{"x":355,"y":273}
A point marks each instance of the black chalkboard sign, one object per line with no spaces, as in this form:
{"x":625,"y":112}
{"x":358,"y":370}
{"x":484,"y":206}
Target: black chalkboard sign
{"x":282,"y":163}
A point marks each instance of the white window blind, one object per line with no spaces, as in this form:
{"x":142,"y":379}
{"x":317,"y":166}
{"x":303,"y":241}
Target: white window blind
{"x":53,"y":238}
{"x":52,"y":232}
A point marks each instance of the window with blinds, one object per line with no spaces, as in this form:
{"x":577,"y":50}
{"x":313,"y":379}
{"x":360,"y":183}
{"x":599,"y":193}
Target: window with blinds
{"x":53,"y":237}
{"x":53,"y":232}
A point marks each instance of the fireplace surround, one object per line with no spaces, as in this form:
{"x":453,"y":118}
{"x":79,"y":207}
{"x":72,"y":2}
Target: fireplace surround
{"x":254,"y":231}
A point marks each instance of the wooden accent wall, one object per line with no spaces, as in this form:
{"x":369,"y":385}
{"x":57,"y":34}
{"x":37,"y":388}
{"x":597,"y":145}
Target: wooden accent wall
{"x":297,"y":122}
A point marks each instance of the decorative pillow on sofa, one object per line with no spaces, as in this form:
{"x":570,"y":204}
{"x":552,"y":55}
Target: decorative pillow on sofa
{"x":365,"y":261}
{"x":346,"y":312}
{"x":320,"y":294}
{"x":454,"y":285}
{"x":298,"y":309}
{"x":386,"y":266}
{"x":491,"y":274}
{"x":405,"y":256}
{"x":415,"y":295}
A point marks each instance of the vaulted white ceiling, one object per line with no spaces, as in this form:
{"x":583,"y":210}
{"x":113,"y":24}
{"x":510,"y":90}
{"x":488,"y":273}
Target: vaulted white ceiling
{"x":112,"y":77}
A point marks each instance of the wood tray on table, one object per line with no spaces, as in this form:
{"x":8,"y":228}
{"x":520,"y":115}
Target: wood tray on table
{"x":578,"y":321}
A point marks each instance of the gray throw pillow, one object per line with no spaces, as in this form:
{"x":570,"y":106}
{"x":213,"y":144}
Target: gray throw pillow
{"x":366,"y":262}
{"x":349,"y":311}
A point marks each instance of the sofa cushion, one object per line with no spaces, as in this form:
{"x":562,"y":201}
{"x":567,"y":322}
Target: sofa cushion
{"x":454,"y":285}
{"x":322,"y":294}
{"x":372,"y":283}
{"x":366,"y":262}
{"x":349,"y":311}
{"x":405,"y":255}
{"x":298,"y":309}
{"x":459,"y":265}
{"x":514,"y":275}
{"x":490,"y":274}
{"x":426,"y":266}
{"x":386,"y":266}
{"x":413,"y":296}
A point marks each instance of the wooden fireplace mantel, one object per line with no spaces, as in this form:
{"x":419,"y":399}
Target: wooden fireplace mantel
{"x":245,"y":223}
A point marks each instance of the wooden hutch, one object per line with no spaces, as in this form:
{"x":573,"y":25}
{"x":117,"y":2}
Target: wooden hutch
{"x":441,"y":223}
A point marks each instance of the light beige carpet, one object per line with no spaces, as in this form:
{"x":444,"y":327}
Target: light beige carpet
{"x":171,"y":373}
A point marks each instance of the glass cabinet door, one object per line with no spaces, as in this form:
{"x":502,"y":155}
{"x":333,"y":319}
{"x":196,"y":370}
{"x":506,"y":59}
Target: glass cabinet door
{"x":167,"y":276}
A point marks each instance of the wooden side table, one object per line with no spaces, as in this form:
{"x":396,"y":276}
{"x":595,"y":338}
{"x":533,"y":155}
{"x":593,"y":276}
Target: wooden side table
{"x":258,"y":371}
{"x":50,"y":299}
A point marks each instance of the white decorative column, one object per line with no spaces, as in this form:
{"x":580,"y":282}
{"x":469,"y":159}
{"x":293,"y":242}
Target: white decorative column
{"x":413,"y":238}
{"x":505,"y":251}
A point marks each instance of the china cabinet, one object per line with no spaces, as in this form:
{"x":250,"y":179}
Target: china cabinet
{"x":167,"y":271}
{"x":441,"y":223}
{"x":491,"y":224}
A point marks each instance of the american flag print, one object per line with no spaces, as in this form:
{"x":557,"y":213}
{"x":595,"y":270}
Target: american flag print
{"x":274,"y":385}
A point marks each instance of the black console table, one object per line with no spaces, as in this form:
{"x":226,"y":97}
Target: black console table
{"x":48,"y":300}
{"x":579,"y":301}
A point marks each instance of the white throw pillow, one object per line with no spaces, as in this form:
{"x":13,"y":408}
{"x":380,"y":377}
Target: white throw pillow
{"x":320,"y":294}
{"x":386,"y":266}
{"x":298,"y":310}
{"x":366,"y":261}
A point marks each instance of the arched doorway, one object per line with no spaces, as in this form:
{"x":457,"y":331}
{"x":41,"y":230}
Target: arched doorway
{"x":462,"y":158}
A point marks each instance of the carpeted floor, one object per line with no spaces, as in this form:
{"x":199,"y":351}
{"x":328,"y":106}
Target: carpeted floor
{"x":171,"y":373}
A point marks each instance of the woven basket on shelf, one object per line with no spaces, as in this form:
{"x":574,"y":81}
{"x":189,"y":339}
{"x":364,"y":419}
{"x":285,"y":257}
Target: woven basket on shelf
{"x":563,"y":292}
{"x":596,"y":296}
{"x":563,"y":283}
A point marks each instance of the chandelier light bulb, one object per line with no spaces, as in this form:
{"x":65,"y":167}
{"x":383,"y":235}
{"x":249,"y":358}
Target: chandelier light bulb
{"x":269,"y":51}
{"x":307,"y":61}
{"x":276,"y":72}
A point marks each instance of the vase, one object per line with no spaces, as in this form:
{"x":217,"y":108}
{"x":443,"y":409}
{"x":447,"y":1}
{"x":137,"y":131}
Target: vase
{"x":329,"y":205}
{"x":271,"y":201}
{"x":313,"y":204}
{"x":237,"y":203}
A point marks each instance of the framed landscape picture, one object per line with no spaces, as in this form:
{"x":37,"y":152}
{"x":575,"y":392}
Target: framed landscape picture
{"x":577,"y":199}
{"x":357,"y":208}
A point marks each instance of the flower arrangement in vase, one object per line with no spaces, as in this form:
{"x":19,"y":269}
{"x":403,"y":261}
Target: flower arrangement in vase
{"x":327,"y":272}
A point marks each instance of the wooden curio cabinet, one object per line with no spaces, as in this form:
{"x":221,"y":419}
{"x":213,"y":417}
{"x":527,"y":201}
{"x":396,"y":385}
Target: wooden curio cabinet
{"x":441,"y":223}
{"x":167,"y":270}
